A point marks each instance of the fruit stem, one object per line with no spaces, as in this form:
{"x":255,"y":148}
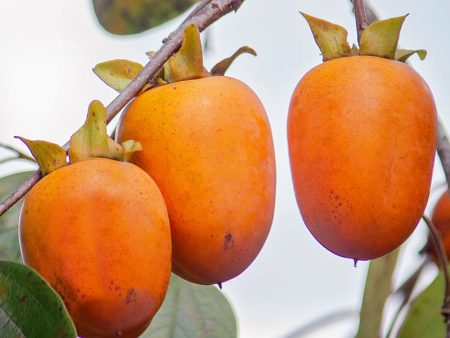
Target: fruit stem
{"x":205,"y":14}
{"x":360,"y":16}
{"x":437,"y":240}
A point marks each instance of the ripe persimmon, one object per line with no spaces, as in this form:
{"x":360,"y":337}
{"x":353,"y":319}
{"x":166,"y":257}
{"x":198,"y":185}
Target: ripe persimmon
{"x":98,"y":231}
{"x":362,"y":138}
{"x":441,"y":219}
{"x":207,"y":144}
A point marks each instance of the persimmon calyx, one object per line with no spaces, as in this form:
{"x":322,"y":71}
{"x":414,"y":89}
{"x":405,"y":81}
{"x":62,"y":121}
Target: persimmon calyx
{"x":49,"y":156}
{"x":92,"y":139}
{"x":331,"y":38}
{"x":186,"y":64}
{"x":221,"y":67}
{"x":380,"y":39}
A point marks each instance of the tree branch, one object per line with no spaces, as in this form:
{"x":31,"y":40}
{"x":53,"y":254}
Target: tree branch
{"x":360,"y":16}
{"x":437,"y":240}
{"x":203,"y":15}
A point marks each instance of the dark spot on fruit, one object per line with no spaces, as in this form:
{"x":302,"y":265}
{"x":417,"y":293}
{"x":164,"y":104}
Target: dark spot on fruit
{"x":131,"y":296}
{"x":228,"y":241}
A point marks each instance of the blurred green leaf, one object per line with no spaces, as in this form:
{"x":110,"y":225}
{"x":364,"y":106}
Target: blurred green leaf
{"x":135,"y":16}
{"x":192,"y":310}
{"x":9,"y":240}
{"x":377,"y":289}
{"x":424,"y":319}
{"x":29,"y":307}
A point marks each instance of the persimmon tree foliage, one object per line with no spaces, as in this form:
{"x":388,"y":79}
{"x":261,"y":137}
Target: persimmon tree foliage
{"x":187,"y":185}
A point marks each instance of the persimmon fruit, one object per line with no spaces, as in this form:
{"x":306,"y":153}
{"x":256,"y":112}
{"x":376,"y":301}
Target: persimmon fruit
{"x":98,"y":232}
{"x":362,"y":136}
{"x":441,"y":219}
{"x":362,"y":139}
{"x":207,"y":144}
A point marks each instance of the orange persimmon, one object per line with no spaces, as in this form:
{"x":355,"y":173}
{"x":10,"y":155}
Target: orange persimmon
{"x":207,"y":144}
{"x":98,"y":232}
{"x":362,"y":138}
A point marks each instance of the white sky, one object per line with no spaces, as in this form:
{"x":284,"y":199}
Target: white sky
{"x":47,"y":50}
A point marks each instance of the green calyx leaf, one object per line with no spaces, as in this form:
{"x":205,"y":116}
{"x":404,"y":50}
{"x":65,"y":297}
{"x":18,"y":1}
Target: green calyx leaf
{"x":402,"y":55}
{"x":331,"y":38}
{"x":92,"y":139}
{"x":381,"y":38}
{"x":48,"y":155}
{"x":187,"y":63}
{"x":221,"y":67}
{"x":117,"y":73}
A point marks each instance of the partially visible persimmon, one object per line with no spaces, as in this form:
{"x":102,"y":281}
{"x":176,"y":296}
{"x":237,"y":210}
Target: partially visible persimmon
{"x":98,"y":231}
{"x":441,"y":219}
{"x":362,"y":138}
{"x":207,"y":143}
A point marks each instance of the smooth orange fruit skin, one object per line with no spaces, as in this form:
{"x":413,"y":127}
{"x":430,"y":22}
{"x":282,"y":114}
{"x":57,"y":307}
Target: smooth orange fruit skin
{"x":98,"y":232}
{"x":441,"y":219}
{"x":362,"y":138}
{"x":207,"y":143}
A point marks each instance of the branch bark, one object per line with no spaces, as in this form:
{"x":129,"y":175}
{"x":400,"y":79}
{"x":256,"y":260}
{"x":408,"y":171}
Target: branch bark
{"x":203,"y":15}
{"x":360,"y":16}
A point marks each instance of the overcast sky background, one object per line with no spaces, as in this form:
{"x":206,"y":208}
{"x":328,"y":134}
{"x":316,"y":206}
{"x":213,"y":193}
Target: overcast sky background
{"x":47,"y":50}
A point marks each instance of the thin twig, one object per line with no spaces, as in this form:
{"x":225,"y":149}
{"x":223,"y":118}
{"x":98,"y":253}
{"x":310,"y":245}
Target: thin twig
{"x":19,"y":153}
{"x":7,"y":159}
{"x":208,"y":14}
{"x":437,"y":240}
{"x":405,"y":290}
{"x":360,"y":16}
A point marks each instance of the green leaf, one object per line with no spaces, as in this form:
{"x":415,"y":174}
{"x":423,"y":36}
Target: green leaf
{"x":402,"y":55}
{"x":9,"y":240}
{"x":221,"y":67}
{"x":135,"y":16}
{"x":187,"y":63}
{"x":424,"y":319}
{"x":331,"y":38}
{"x":378,"y":288}
{"x":30,"y":308}
{"x":192,"y":310}
{"x":48,"y":155}
{"x":380,"y":38}
{"x":117,"y":73}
